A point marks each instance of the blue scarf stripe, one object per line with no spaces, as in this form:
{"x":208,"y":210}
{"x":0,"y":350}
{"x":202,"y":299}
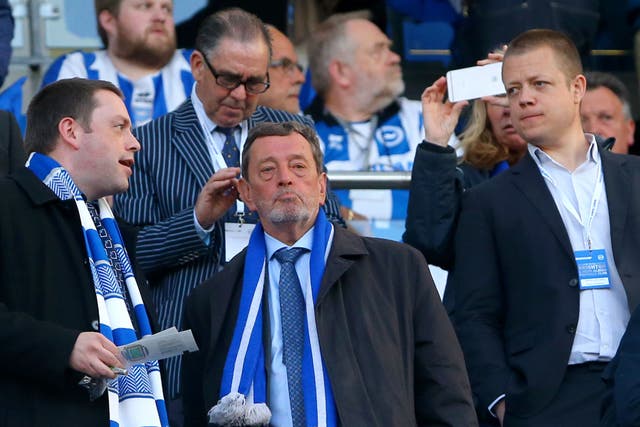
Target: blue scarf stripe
{"x":309,"y":384}
{"x":254,"y":257}
{"x":136,"y":396}
{"x":260,"y":381}
{"x":141,"y":313}
{"x":106,"y":331}
{"x":123,"y":335}
{"x":162,"y":411}
{"x":143,"y":381}
{"x":331,"y":412}
{"x":112,"y":295}
{"x":252,"y":356}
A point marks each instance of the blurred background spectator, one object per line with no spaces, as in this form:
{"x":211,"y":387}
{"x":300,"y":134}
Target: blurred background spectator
{"x":6,"y":34}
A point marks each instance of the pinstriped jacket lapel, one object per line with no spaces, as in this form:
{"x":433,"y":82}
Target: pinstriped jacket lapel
{"x":189,"y":141}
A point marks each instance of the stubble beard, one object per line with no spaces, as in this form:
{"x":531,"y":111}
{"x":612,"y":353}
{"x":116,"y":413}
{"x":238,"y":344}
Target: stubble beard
{"x":374,"y":97}
{"x":287,"y":212}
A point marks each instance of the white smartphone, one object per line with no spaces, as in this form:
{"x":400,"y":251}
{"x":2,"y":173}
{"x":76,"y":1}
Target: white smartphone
{"x":475,"y":82}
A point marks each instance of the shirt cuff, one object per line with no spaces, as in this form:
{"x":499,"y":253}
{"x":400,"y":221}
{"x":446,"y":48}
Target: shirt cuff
{"x":204,"y":234}
{"x":494,"y":403}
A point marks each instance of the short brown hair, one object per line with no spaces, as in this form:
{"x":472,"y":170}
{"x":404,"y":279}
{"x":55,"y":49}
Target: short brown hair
{"x":111,"y":6}
{"x":73,"y":98}
{"x":562,"y":46}
{"x":264,"y":129}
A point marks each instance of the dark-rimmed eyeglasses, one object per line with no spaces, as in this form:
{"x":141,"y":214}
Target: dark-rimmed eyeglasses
{"x":287,"y":65}
{"x":230,"y":81}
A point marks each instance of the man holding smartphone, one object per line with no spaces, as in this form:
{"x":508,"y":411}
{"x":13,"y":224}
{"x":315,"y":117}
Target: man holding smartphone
{"x":544,"y":287}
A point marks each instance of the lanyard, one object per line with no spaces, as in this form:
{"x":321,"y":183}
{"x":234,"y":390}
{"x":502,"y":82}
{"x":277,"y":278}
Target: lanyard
{"x":216,"y":155}
{"x":595,"y":200}
{"x":366,"y":150}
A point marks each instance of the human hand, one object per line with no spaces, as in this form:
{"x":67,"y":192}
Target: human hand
{"x":93,"y":354}
{"x":440,"y":118}
{"x":492,"y":58}
{"x":351,"y":215}
{"x":501,"y":407}
{"x":217,"y":196}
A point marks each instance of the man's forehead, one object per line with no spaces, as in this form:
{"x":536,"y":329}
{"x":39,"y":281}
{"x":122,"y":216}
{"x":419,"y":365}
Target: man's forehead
{"x":108,"y":100}
{"x":365,"y":32}
{"x":238,"y":57}
{"x":281,"y":45}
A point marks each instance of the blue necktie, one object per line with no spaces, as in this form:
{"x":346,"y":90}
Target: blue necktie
{"x":292,"y":313}
{"x":230,"y":148}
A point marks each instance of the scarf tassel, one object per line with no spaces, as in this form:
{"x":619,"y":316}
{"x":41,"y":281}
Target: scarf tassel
{"x":233,"y":410}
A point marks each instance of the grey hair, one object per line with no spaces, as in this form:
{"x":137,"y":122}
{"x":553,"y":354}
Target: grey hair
{"x":233,"y":23}
{"x":328,"y":42}
{"x":596,"y":79}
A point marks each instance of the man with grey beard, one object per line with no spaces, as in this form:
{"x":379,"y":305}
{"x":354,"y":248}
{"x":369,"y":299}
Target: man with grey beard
{"x":312,"y":324}
{"x":140,"y":57}
{"x":362,"y":121}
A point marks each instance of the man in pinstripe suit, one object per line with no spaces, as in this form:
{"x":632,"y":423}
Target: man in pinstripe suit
{"x":181,"y":191}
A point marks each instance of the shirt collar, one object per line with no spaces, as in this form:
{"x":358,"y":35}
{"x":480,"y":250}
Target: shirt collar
{"x":274,"y":245}
{"x":200,"y":112}
{"x":541,"y":158}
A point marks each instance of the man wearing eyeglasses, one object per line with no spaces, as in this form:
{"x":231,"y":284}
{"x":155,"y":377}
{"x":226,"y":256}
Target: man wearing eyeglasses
{"x":182,"y":192}
{"x":285,"y":73}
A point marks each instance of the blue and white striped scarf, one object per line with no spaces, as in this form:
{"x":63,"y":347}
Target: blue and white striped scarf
{"x":135,"y":399}
{"x":244,"y":385}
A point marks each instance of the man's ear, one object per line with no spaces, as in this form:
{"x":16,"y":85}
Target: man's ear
{"x":107,"y":21}
{"x":68,"y":130}
{"x":197,"y":65}
{"x":244,"y":188}
{"x":340,"y":73}
{"x":322,"y":182}
{"x":579,"y":88}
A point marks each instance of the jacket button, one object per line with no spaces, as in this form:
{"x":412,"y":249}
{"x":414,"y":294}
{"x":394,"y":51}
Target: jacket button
{"x":573,"y":282}
{"x":571,"y":329}
{"x":95,"y":325}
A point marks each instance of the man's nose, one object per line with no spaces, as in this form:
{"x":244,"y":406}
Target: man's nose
{"x":525,"y":96}
{"x":134,"y":144}
{"x":240,"y":92}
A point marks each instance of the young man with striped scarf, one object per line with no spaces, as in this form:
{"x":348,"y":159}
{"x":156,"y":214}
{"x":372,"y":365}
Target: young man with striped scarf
{"x":312,"y":325}
{"x":68,"y":294}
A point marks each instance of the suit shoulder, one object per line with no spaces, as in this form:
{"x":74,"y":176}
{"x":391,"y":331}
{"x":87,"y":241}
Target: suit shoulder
{"x":385,"y":248}
{"x":184,"y":111}
{"x":220,"y":281}
{"x":633,"y":160}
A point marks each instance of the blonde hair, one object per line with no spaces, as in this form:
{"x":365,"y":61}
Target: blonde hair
{"x":481,"y":150}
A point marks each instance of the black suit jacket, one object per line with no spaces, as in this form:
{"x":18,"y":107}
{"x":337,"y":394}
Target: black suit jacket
{"x":388,"y":347}
{"x":621,"y":404}
{"x":516,"y":280}
{"x":47,"y":299}
{"x":12,"y":154}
